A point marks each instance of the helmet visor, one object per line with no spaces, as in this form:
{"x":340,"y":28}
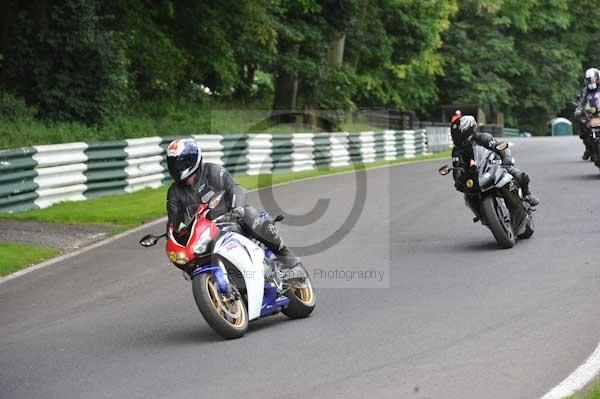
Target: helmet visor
{"x":180,"y":167}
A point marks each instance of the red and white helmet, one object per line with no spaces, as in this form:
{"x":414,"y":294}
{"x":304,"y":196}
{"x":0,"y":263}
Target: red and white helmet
{"x":183,"y":159}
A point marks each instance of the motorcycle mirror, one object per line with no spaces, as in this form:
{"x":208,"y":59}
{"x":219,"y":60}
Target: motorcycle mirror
{"x":444,"y":170}
{"x":502,"y":146}
{"x":149,"y":240}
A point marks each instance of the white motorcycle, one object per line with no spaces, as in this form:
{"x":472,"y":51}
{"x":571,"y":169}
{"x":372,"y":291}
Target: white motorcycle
{"x":234,"y":279}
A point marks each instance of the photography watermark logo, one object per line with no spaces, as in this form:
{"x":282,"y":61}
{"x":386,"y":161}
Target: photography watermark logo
{"x":361,"y":275}
{"x":263,"y":150}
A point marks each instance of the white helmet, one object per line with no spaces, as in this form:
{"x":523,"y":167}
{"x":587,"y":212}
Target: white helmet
{"x":592,"y":77}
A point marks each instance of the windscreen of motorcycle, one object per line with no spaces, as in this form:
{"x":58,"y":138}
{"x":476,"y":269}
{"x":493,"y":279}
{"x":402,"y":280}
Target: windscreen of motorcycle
{"x":488,"y":173}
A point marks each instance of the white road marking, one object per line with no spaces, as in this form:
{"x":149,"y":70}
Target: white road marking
{"x":578,"y":379}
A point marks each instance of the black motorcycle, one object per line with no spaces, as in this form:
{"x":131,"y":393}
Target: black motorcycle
{"x":590,"y":122}
{"x":492,"y":194}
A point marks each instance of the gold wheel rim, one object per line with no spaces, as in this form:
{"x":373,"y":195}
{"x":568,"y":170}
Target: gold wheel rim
{"x":219,"y":306}
{"x":304,"y":294}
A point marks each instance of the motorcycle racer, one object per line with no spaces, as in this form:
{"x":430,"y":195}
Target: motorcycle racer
{"x":192,"y":178}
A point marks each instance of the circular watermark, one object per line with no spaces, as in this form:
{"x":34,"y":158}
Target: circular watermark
{"x":325,"y":147}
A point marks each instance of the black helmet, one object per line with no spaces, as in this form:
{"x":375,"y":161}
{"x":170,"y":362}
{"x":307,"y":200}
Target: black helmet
{"x":183,"y":159}
{"x":463,"y":128}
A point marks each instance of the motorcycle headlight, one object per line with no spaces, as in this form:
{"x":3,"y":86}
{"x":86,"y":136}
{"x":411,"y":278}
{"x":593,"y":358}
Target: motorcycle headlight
{"x":201,"y":244}
{"x":179,"y":258}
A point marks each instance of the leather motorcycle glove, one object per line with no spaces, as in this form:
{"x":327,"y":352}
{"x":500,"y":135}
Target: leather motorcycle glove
{"x":237,"y":213}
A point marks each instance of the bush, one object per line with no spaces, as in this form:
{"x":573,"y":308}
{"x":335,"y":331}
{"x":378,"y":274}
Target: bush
{"x":14,"y":108}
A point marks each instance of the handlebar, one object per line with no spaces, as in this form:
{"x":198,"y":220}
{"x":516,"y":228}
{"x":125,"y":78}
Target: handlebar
{"x":227,"y":218}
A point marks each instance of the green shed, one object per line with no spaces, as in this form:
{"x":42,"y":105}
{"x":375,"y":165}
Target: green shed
{"x":561,"y":127}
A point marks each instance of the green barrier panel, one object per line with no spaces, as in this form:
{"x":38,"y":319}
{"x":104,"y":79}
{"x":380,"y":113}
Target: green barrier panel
{"x":17,"y":187}
{"x":100,"y":189}
{"x":19,"y":202}
{"x":105,"y":172}
{"x":322,"y":150}
{"x":509,"y":132}
{"x":281,"y":152}
{"x":354,"y":148}
{"x":17,"y":174}
{"x":235,"y":151}
{"x":379,"y":145}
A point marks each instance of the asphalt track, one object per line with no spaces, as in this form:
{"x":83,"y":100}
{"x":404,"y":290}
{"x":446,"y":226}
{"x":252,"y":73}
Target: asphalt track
{"x":452,"y":317}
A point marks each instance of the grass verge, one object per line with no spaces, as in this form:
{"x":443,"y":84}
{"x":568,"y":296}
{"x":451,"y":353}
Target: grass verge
{"x":592,"y":393}
{"x":15,"y":256}
{"x":129,"y":210}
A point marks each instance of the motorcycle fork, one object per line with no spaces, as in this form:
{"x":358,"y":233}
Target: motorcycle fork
{"x":596,"y":151}
{"x":474,"y":203}
{"x":514,"y":203}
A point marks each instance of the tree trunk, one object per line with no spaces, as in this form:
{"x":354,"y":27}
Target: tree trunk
{"x":363,"y":12}
{"x":286,"y":89}
{"x":335,"y":52}
{"x":286,"y":86}
{"x":335,"y":57}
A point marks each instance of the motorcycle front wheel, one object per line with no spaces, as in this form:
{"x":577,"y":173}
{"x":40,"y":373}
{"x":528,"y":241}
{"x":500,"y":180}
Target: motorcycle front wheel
{"x":498,"y":220}
{"x":229,"y":318}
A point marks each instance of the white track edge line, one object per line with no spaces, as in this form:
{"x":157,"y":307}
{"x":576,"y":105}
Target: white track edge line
{"x":578,"y":379}
{"x":108,"y":240}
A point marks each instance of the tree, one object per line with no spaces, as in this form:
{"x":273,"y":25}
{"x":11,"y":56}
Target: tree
{"x":479,"y":57}
{"x":62,"y":58}
{"x":395,"y":51}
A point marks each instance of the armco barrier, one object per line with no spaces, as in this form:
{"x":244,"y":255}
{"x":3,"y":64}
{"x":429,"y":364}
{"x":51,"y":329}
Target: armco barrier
{"x":106,"y":163}
{"x":438,"y":138}
{"x":510,"y":132}
{"x":17,"y":185}
{"x":39,"y":176}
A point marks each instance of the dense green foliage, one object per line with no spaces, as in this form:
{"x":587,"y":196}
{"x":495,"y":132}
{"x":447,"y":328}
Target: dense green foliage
{"x":527,"y":57}
{"x":62,"y":59}
{"x":99,"y":66}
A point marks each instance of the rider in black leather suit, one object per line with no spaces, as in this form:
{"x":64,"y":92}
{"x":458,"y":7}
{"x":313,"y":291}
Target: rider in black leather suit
{"x":592,"y":85}
{"x":193,"y":178}
{"x":464,"y":133}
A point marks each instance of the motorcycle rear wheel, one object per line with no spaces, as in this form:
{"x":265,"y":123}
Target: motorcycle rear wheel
{"x":302,"y":299}
{"x":501,"y":229}
{"x":228,"y":318}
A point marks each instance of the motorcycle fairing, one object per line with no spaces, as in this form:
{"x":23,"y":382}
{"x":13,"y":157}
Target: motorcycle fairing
{"x":248,"y":258}
{"x":490,"y":174}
